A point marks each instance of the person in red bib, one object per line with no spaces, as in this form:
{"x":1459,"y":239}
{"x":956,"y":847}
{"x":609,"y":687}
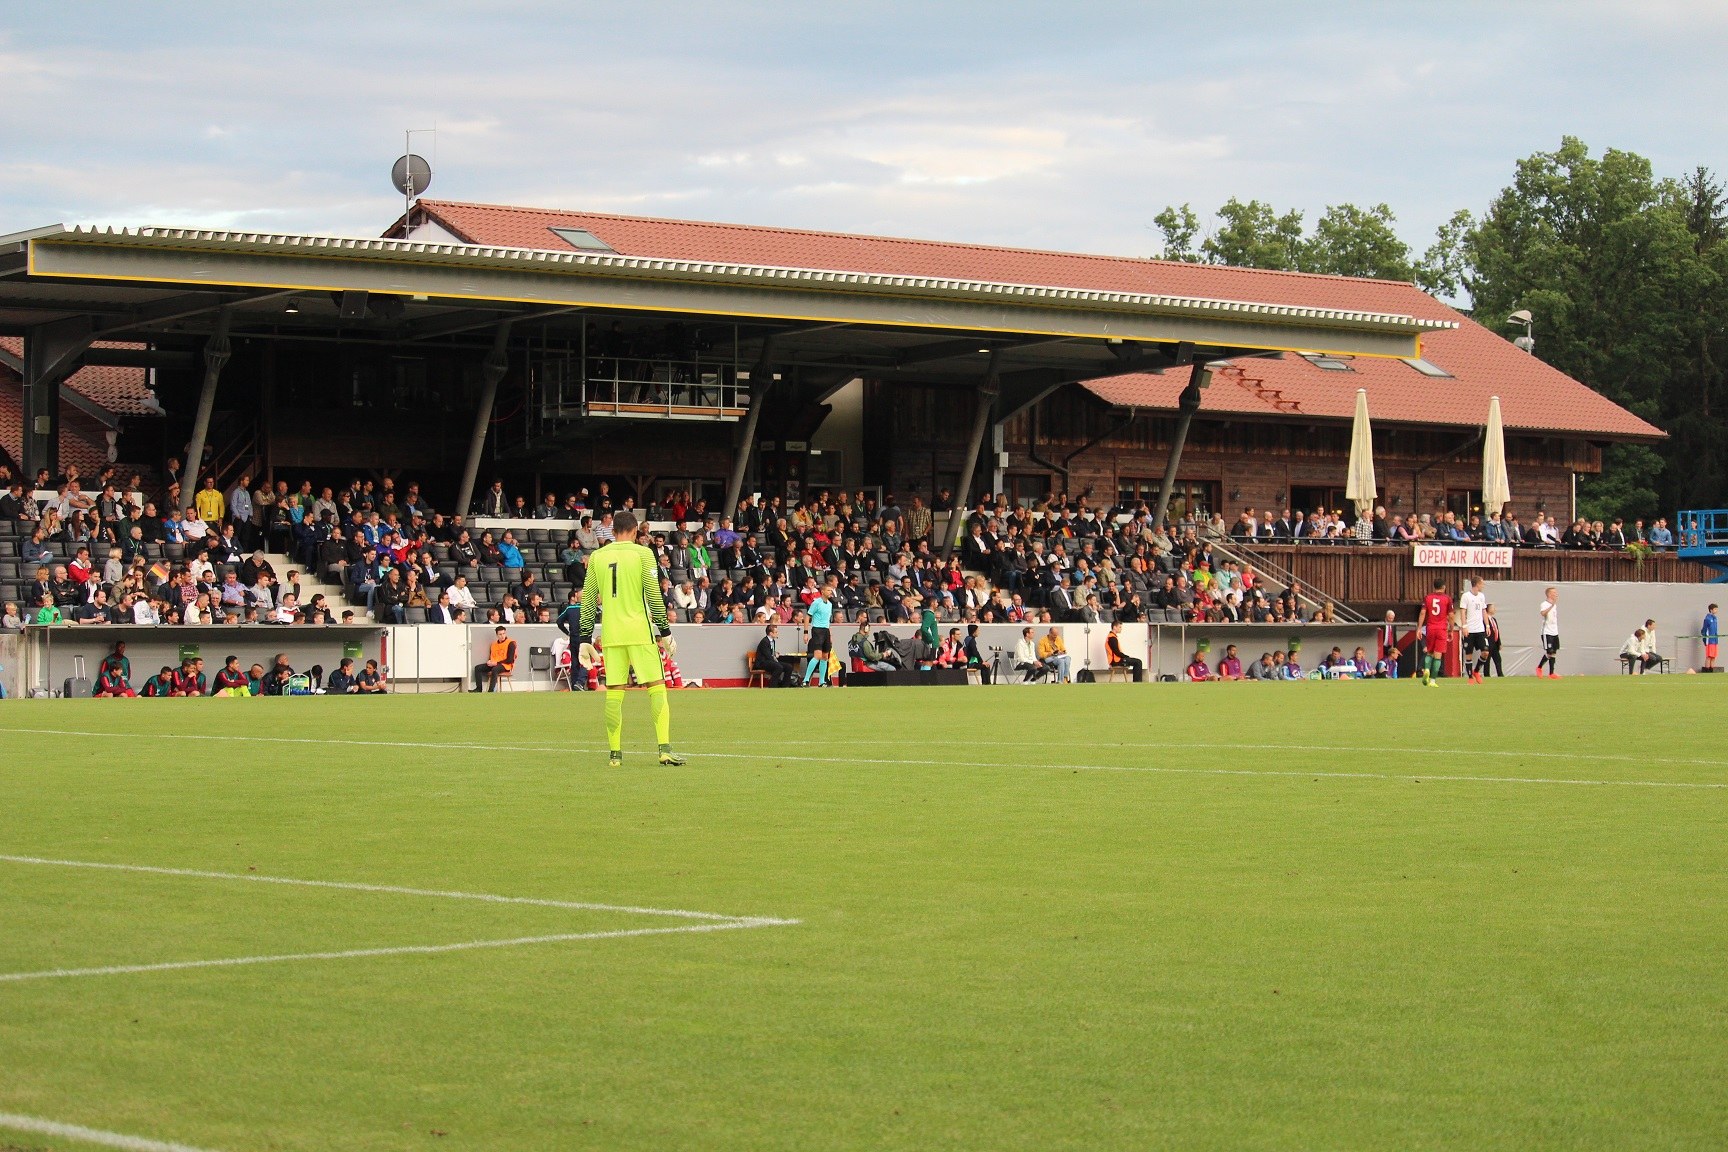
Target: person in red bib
{"x":1436,"y":624}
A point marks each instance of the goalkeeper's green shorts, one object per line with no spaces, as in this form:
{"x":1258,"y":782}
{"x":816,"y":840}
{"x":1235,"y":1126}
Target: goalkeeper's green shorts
{"x":626,"y":660}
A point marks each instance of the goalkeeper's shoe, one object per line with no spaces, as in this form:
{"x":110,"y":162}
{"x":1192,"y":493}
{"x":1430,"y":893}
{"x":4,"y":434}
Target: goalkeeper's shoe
{"x":615,"y":760}
{"x":670,"y":758}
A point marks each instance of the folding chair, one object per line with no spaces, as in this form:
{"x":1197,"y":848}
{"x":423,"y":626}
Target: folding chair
{"x":754,"y":674}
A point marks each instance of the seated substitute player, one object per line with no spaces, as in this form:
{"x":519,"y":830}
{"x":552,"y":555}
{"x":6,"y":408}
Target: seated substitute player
{"x":623,"y":591}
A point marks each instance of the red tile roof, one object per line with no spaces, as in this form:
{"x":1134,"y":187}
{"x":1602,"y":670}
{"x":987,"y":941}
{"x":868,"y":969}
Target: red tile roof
{"x":82,"y":443}
{"x":1533,"y":395}
{"x":122,"y":391}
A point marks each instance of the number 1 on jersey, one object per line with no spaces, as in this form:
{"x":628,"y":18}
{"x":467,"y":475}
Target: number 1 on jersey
{"x":614,"y":567}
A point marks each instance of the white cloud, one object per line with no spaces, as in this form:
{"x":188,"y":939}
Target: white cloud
{"x":1062,"y":126}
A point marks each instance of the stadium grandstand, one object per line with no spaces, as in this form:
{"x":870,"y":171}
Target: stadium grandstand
{"x":435,"y":426}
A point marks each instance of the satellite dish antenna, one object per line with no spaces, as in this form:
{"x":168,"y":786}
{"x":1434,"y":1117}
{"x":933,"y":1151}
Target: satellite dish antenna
{"x":411,"y":175}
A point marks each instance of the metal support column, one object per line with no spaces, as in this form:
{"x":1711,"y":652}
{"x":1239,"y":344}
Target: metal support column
{"x":497,"y":363}
{"x":986,"y":403}
{"x":216,"y":353}
{"x":51,"y":354}
{"x":1185,"y":408}
{"x":761,"y":381}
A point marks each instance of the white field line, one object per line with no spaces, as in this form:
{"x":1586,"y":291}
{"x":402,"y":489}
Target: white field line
{"x":355,"y":953}
{"x":54,"y":1128}
{"x":710,"y":921}
{"x":387,"y":889}
{"x":1026,"y":745}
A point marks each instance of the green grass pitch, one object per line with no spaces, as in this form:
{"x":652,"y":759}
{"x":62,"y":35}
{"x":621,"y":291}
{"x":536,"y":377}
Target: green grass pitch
{"x":1221,"y":917}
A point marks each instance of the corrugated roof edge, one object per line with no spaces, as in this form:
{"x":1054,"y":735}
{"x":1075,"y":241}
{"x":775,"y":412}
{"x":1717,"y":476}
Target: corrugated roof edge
{"x":948,"y":244}
{"x":606,"y":262}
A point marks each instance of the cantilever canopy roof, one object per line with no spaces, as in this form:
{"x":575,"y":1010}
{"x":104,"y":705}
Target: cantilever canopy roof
{"x":150,"y":283}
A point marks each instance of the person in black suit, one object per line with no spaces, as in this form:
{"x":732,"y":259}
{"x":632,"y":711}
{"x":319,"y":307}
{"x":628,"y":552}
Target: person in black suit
{"x":768,"y":659}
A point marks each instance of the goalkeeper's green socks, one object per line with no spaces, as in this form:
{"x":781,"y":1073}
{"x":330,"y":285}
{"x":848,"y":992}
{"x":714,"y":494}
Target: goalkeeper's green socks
{"x":662,"y":713}
{"x":614,"y":719}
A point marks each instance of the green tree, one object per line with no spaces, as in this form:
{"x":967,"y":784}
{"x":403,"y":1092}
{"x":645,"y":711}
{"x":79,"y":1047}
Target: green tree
{"x":1179,"y":227}
{"x":1443,"y":267}
{"x":1694,"y":409}
{"x":1255,"y":235}
{"x":1352,"y":241}
{"x":1625,"y":298}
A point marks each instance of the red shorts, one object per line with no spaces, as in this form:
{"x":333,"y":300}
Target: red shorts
{"x":1434,"y":641}
{"x":1710,"y":651}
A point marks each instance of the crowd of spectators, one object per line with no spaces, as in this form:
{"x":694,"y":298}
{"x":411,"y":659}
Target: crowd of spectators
{"x":105,"y":550}
{"x":1381,"y":527}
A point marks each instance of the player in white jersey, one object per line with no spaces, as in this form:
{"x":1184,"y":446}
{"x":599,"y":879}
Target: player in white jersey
{"x":1474,"y":605}
{"x":1547,"y":666}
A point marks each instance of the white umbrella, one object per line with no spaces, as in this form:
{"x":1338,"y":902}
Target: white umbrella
{"x":1359,"y":485}
{"x":1496,"y":491}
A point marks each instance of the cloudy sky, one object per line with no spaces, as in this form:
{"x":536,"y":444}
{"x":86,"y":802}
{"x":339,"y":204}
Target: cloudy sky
{"x":1063,"y":125}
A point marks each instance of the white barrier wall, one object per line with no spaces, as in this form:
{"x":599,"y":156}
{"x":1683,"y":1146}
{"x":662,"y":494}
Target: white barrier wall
{"x":49,"y":652}
{"x":1596,"y":619}
{"x":1173,"y":645}
{"x":716,"y":652}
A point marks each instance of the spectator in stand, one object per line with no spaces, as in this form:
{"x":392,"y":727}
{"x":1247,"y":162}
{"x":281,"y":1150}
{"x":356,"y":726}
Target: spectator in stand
{"x":210,"y":504}
{"x":1660,"y":536}
{"x":509,"y":555}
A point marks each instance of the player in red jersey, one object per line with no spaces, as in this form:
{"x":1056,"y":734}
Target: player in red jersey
{"x":1436,"y":621}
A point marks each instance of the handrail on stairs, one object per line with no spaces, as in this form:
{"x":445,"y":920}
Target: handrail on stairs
{"x":1266,"y":566}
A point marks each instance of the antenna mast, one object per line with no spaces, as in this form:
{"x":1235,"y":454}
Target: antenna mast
{"x":411,"y":174}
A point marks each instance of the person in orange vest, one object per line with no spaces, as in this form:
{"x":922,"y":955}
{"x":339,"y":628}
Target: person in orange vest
{"x":500,"y":659}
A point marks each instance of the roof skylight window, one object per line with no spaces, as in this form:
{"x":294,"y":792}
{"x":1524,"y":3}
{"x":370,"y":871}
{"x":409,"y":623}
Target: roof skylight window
{"x":1427,"y":368}
{"x":1329,"y":363}
{"x":583,"y":239}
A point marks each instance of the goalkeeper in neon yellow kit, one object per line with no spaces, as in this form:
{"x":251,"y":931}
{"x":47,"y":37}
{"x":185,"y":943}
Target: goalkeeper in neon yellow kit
{"x":623,"y":589}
